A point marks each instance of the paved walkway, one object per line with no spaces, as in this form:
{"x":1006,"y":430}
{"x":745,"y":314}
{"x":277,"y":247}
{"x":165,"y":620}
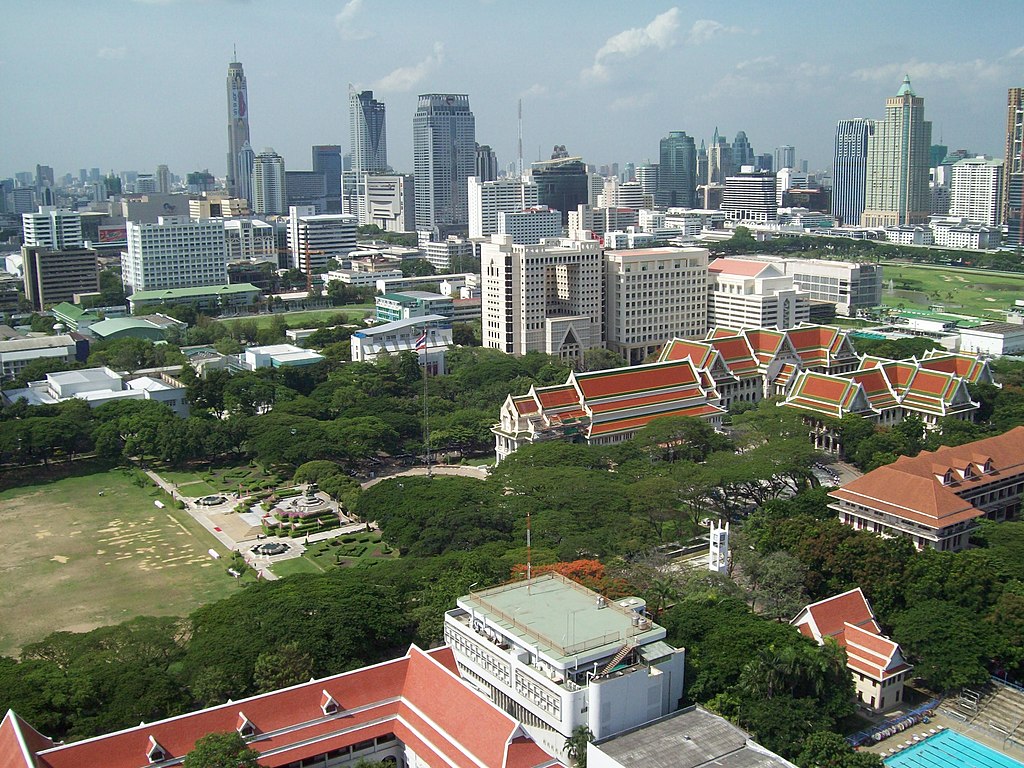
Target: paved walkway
{"x":198,"y":516}
{"x":461,"y":470}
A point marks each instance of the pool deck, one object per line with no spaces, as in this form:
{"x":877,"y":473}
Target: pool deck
{"x":922,"y":731}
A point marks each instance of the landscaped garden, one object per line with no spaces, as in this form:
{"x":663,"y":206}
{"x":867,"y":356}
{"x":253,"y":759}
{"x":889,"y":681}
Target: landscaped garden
{"x":246,"y":479}
{"x":970,"y":292}
{"x":344,"y":551}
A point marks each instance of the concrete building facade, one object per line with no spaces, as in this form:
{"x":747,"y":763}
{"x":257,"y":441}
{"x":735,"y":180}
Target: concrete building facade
{"x":849,"y":169}
{"x":268,"y":184}
{"x":977,"y":190}
{"x":653,"y":295}
{"x":488,"y":198}
{"x":52,"y":276}
{"x":444,"y":158}
{"x":175,"y":253}
{"x":753,"y":294}
{"x":51,"y":228}
{"x":313,"y":239}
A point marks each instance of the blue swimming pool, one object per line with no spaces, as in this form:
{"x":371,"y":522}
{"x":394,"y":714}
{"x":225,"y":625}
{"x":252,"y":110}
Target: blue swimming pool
{"x":950,"y":749}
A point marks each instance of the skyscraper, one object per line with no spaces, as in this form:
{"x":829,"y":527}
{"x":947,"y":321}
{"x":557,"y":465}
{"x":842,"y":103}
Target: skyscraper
{"x":486,"y":163}
{"x":163,"y":179}
{"x":896,"y":182}
{"x":742,"y":152}
{"x":1013,"y":165}
{"x":849,"y":169}
{"x":246,"y":163}
{"x":238,"y":122}
{"x":368,"y":132}
{"x":268,"y":183}
{"x":327,"y":160}
{"x":977,"y":190}
{"x":677,"y":171}
{"x":785,"y":157}
{"x":720,"y":164}
{"x":444,"y":157}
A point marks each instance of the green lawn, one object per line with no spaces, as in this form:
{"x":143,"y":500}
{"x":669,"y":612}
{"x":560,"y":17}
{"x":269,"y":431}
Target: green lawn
{"x":201,"y":482}
{"x":481,"y":461}
{"x":972,"y":292}
{"x":306,"y":318}
{"x":90,"y":550}
{"x":320,"y":556}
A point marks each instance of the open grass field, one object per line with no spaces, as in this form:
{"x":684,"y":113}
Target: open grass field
{"x":72,"y":559}
{"x":971,"y":292}
{"x":308,"y":317}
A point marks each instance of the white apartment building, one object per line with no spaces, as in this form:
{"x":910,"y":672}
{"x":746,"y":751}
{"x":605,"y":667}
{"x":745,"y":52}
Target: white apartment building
{"x":653,"y":295}
{"x":910,"y":234}
{"x":557,"y":656}
{"x":545,"y":297}
{"x":530,"y":225}
{"x":440,"y":253}
{"x":692,"y":221}
{"x":488,"y":198}
{"x":268,"y":183}
{"x":55,"y":229}
{"x":313,"y":239}
{"x":17,"y":353}
{"x":750,"y":197}
{"x":849,"y":285}
{"x":977,"y":190}
{"x":753,"y":294}
{"x":175,"y":252}
{"x":250,"y":240}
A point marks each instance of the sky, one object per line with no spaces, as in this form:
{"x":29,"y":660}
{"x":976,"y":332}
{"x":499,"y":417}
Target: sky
{"x":130,"y":84}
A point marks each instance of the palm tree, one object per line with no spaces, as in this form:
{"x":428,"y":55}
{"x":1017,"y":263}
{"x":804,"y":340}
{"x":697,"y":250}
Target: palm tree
{"x":576,"y":745}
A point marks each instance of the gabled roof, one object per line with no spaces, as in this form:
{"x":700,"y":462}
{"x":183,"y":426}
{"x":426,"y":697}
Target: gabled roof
{"x":920,"y":499}
{"x":819,"y":344}
{"x":970,"y":367}
{"x":765,"y":343}
{"x":697,"y":352}
{"x":19,"y":742}
{"x":737,"y":354}
{"x":876,"y":388}
{"x":743,"y":267}
{"x":827,"y":394}
{"x":418,"y":698}
{"x":849,"y":620}
{"x":641,"y":378}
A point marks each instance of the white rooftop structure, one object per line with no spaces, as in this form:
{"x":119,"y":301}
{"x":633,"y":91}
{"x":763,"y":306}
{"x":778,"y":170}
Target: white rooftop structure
{"x":279,"y":356}
{"x":102,"y":385}
{"x":401,"y":336}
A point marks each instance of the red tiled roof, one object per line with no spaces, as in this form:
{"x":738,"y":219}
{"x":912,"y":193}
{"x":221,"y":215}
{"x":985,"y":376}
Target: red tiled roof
{"x":525,"y":404}
{"x":678,"y":349}
{"x":553,"y":397}
{"x":742,"y":267}
{"x":921,"y":499}
{"x":737,"y":355}
{"x":636,"y":401}
{"x":876,"y":388}
{"x":642,"y":378}
{"x":832,"y":613}
{"x":19,"y":741}
{"x":418,"y":698}
{"x":623,"y":425}
{"x":969,"y":367}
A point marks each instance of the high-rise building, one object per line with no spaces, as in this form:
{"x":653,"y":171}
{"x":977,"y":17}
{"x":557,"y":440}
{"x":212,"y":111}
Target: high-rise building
{"x":896,"y":182}
{"x":647,"y":177}
{"x":53,"y":229}
{"x":486,"y":163}
{"x":246,"y":163}
{"x":977,"y":190}
{"x":720,"y":164}
{"x":327,"y":160}
{"x":702,"y":164}
{"x":268,"y":183}
{"x":387,"y":202}
{"x":677,"y":171}
{"x":238,"y":123}
{"x":653,"y":295}
{"x":742,"y":152}
{"x":562,"y":183}
{"x":175,"y":252}
{"x":545,"y":297}
{"x":304,"y":188}
{"x":785,"y":157}
{"x":367,"y":132}
{"x":750,"y":197}
{"x":44,"y":177}
{"x":937,"y":154}
{"x":163,"y":179}
{"x":488,"y":198}
{"x":1013,"y":165}
{"x":315,"y":239}
{"x":444,"y":157}
{"x":531,"y":225}
{"x":52,"y":276}
{"x":850,"y":168}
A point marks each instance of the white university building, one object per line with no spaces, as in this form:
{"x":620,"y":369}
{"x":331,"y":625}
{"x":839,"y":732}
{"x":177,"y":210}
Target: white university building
{"x":315,"y":239}
{"x":488,"y":198}
{"x":175,"y":252}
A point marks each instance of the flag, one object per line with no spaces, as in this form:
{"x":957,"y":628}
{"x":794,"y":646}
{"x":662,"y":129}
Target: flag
{"x":421,"y":342}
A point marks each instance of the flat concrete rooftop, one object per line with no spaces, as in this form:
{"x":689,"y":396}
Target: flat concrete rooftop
{"x":687,"y":739}
{"x":560,"y":617}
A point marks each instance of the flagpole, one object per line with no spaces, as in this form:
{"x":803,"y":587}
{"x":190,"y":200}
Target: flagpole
{"x":426,"y":410}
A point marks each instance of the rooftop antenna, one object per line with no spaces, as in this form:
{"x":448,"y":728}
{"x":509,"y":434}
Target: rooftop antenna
{"x":234,"y":52}
{"x":520,"y":148}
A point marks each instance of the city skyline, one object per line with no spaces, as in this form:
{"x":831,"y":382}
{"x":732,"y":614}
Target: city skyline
{"x":743,"y":69}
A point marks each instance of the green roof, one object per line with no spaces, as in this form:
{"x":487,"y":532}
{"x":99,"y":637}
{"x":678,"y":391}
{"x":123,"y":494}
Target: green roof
{"x":905,"y":89}
{"x":119,"y":324}
{"x":68,"y":310}
{"x":187,"y":293}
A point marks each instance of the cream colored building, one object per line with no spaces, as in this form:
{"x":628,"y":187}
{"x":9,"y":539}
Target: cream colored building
{"x":545,"y":298}
{"x":754,"y":294}
{"x":653,"y":295}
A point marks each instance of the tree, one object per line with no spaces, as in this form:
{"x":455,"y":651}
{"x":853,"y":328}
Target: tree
{"x":576,"y":745}
{"x":781,"y":587}
{"x":287,"y":665}
{"x":599,"y":359}
{"x":221,"y":750}
{"x":947,"y":643}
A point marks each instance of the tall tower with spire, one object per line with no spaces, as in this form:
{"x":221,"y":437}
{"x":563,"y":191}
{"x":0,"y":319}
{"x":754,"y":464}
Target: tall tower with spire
{"x":896,"y":179}
{"x":238,"y":122}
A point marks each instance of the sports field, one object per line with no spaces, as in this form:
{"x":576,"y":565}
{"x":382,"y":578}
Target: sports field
{"x":969,"y":292}
{"x":90,"y":550}
{"x":307,"y":318}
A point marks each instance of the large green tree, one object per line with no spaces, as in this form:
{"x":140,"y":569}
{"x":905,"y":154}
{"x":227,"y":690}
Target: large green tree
{"x":221,"y":750}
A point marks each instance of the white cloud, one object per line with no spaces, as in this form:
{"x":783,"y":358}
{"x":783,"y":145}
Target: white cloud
{"x":756,"y":63}
{"x":534,"y":90}
{"x":630,"y":43}
{"x":632,"y":102}
{"x":1015,"y":53}
{"x":344,"y":19}
{"x":705,"y":29}
{"x":978,"y":69}
{"x":404,"y":78}
{"x":112,"y":53}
